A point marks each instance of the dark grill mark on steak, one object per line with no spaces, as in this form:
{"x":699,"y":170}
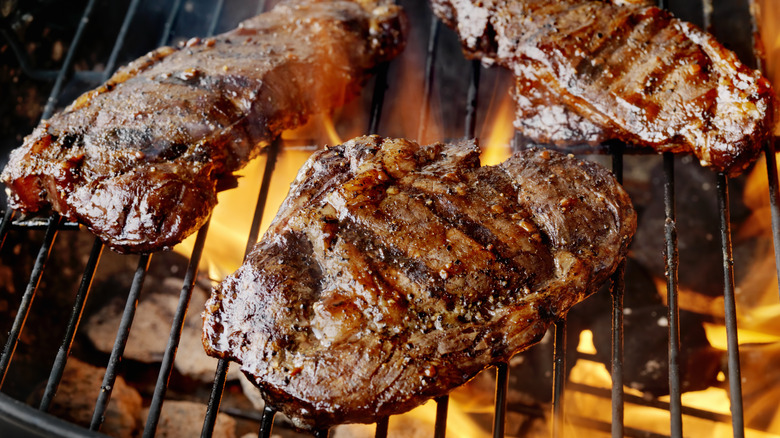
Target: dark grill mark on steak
{"x":412,"y":269}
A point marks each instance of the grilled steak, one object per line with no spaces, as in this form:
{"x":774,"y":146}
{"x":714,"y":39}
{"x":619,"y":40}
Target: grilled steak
{"x":138,"y":159}
{"x":395,"y":272}
{"x":590,"y":70}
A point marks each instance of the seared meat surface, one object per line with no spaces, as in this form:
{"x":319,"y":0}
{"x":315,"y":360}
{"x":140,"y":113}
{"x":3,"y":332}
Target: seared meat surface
{"x":395,"y":272}
{"x":588,"y":71}
{"x":138,"y":159}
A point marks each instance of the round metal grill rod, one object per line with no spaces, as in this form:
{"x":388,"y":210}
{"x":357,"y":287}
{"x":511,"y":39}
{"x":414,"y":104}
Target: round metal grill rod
{"x":559,"y":377}
{"x":378,"y":99}
{"x":120,"y":342}
{"x":769,"y":153}
{"x":440,"y":428}
{"x":267,"y":422}
{"x":430,"y":74}
{"x":616,"y":292}
{"x":215,"y":398}
{"x":74,"y":44}
{"x":119,"y":42}
{"x":381,"y":428}
{"x":502,"y":388}
{"x":671,"y":258}
{"x":774,"y":200}
{"x":218,"y":7}
{"x":29,"y":294}
{"x":168,"y":28}
{"x":734,"y":372}
{"x":272,"y":153}
{"x":55,"y":376}
{"x":166,"y":367}
{"x":8,"y":216}
{"x":472,"y":100}
{"x":210,"y":419}
{"x":672,"y":262}
{"x":123,"y":332}
{"x":260,"y":6}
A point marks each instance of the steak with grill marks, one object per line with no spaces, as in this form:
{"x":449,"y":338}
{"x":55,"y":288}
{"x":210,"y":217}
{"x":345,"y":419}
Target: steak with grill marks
{"x":588,"y":71}
{"x":138,"y":159}
{"x":395,"y":272}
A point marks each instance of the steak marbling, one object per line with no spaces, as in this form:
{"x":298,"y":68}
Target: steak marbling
{"x":138,"y":159}
{"x":395,"y":272}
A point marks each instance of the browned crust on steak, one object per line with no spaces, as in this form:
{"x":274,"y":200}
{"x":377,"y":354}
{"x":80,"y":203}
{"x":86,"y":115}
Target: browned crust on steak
{"x":137,"y":160}
{"x":588,"y":71}
{"x":395,"y":272}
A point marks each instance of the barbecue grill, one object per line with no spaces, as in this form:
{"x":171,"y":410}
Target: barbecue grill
{"x":456,"y":94}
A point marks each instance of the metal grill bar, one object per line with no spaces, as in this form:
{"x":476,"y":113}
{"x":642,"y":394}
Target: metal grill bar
{"x":8,"y":216}
{"x":502,"y":389}
{"x":774,"y":200}
{"x":559,"y":377}
{"x":472,"y":100}
{"x":132,"y":9}
{"x":430,"y":72}
{"x":168,"y":28}
{"x":260,"y":6}
{"x":616,"y":312}
{"x":440,"y":428}
{"x":123,"y":332}
{"x":29,"y":294}
{"x":673,"y":316}
{"x":215,"y":398}
{"x":771,"y":160}
{"x":378,"y":100}
{"x":381,"y":428}
{"x":68,"y":63}
{"x":266,"y":423}
{"x":166,"y":367}
{"x":254,"y":232}
{"x":218,"y":7}
{"x":73,"y":324}
{"x":734,"y":373}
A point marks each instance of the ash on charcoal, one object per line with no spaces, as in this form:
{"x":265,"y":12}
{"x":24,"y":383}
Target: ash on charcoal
{"x":183,"y":419}
{"x":78,"y":391}
{"x":151,"y":326}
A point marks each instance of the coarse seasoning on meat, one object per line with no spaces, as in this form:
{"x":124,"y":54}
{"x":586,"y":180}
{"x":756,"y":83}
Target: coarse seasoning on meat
{"x":588,"y":71}
{"x":138,"y":160}
{"x":395,"y":272}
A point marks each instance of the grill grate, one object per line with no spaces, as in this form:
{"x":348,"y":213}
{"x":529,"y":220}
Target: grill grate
{"x":35,"y":421}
